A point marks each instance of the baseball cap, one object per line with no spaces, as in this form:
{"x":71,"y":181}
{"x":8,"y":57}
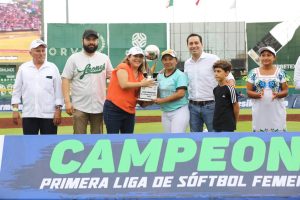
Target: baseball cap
{"x":267,"y":48}
{"x":170,"y":52}
{"x":36,"y":43}
{"x":90,"y":32}
{"x":135,"y":51}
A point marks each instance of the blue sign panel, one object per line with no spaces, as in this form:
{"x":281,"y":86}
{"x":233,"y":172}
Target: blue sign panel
{"x":187,"y":166}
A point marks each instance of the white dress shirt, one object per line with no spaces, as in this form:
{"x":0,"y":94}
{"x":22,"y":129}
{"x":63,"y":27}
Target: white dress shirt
{"x":201,"y":77}
{"x":39,"y":90}
{"x":297,"y":74}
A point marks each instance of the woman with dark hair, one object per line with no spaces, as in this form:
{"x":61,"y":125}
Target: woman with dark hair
{"x":267,"y":86}
{"x":122,"y":94}
{"x":173,"y":98}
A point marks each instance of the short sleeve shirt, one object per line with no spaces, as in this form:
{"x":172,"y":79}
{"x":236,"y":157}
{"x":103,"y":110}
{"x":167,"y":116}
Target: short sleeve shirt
{"x":88,"y":76}
{"x":168,"y":86}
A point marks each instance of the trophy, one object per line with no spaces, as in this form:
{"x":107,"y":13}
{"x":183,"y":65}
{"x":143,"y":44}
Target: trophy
{"x":150,"y":93}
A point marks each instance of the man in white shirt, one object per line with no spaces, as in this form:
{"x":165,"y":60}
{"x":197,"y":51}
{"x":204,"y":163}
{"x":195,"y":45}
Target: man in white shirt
{"x":199,"y":69}
{"x":38,"y":88}
{"x":297,"y":74}
{"x":85,"y":75}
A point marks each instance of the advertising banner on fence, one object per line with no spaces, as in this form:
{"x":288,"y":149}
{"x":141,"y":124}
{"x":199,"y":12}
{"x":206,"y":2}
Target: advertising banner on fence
{"x":66,"y":39}
{"x":282,"y":36}
{"x":187,"y":166}
{"x":124,"y":36}
{"x":7,"y":78}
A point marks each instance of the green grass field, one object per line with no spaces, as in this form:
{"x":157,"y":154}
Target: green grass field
{"x":156,"y":127}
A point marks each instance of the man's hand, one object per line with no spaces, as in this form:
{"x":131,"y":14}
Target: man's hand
{"x":57,"y":117}
{"x":69,"y":108}
{"x":16,"y":117}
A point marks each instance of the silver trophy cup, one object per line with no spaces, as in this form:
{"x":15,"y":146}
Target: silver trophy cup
{"x":151,"y":54}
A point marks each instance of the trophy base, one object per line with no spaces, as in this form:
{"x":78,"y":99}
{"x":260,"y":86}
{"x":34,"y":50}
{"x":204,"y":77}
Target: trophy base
{"x":148,"y":93}
{"x":141,"y":99}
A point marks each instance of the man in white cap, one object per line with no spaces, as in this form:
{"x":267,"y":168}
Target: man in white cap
{"x":38,"y":88}
{"x":85,"y":76}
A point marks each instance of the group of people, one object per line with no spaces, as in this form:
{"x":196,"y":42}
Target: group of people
{"x":20,"y":15}
{"x":203,"y":94}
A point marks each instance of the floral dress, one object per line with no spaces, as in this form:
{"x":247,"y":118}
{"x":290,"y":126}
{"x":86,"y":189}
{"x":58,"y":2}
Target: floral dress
{"x":268,"y":115}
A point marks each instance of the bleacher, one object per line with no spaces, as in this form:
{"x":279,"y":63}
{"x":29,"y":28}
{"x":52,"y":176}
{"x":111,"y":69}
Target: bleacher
{"x":20,"y":15}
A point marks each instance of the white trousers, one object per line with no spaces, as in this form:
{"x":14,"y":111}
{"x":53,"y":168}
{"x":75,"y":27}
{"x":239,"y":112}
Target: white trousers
{"x":176,"y":121}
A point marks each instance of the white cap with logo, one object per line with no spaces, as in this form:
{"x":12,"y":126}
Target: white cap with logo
{"x":135,"y":51}
{"x":267,"y":48}
{"x":36,"y":43}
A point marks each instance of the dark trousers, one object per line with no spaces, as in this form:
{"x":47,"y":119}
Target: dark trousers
{"x":224,"y":130}
{"x":116,"y":119}
{"x":32,"y":126}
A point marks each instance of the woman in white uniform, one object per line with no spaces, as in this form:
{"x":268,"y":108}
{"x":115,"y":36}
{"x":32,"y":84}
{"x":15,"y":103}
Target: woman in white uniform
{"x":173,"y":98}
{"x":267,"y":87}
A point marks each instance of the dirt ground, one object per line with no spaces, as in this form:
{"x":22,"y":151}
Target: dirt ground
{"x":67,"y":121}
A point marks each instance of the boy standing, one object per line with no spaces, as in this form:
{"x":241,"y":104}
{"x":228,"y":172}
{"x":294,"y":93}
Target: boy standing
{"x":227,"y":107}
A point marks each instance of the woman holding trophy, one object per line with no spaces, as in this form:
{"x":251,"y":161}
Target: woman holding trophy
{"x":173,"y":98}
{"x":123,"y":91}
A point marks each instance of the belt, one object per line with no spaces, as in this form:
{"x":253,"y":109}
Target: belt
{"x":201,"y":103}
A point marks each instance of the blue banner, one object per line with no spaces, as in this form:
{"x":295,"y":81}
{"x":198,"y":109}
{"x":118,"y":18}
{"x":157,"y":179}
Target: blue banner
{"x":291,"y":101}
{"x":187,"y":166}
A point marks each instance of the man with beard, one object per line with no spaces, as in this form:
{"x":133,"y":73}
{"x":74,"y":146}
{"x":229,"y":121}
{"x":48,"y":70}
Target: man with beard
{"x":85,"y":73}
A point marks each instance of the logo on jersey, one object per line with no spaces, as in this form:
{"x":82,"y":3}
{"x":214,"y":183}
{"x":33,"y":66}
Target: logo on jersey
{"x":91,"y":70}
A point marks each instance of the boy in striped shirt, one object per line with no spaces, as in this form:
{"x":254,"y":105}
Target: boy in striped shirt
{"x":227,"y":107}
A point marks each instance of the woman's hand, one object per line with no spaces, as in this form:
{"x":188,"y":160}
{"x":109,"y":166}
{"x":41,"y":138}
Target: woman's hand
{"x":147,"y":82}
{"x":261,"y":94}
{"x":145,"y":103}
{"x":158,"y":101}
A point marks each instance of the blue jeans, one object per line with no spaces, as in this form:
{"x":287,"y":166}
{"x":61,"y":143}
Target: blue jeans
{"x":200,"y":115}
{"x":117,"y":120}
